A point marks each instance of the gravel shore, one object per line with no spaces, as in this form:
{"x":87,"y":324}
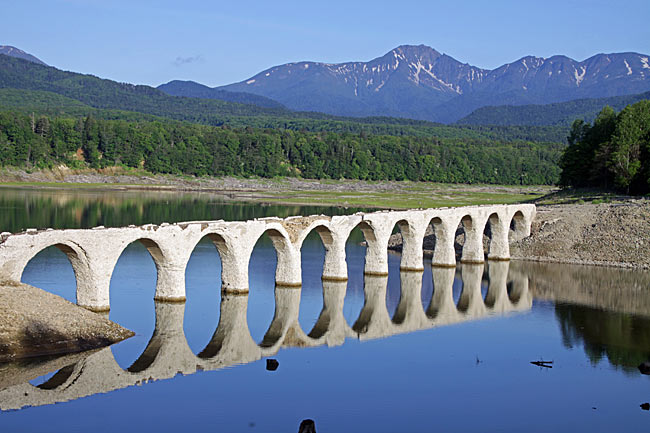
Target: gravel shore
{"x":603,"y":234}
{"x":591,"y":234}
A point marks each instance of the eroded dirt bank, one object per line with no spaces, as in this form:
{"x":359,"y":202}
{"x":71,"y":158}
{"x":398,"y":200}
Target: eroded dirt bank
{"x":594,"y":234}
{"x":35,"y":323}
{"x":588,"y":234}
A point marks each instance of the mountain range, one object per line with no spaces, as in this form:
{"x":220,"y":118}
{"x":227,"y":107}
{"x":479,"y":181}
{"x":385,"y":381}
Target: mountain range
{"x":419,"y":82}
{"x":409,"y":82}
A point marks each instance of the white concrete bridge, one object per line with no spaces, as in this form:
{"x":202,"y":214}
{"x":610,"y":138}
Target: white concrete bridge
{"x":168,"y":353}
{"x":94,"y":252}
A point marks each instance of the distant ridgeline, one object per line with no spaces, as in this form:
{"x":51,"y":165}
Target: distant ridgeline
{"x":614,"y":152}
{"x":30,"y":87}
{"x":50,"y":117}
{"x":560,"y":114}
{"x":55,"y":117}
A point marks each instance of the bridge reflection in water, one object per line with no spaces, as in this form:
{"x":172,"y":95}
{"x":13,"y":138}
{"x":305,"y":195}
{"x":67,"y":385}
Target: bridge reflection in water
{"x":168,"y":353}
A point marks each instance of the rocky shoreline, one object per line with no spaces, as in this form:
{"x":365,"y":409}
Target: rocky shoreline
{"x":604,"y":234}
{"x":35,"y":323}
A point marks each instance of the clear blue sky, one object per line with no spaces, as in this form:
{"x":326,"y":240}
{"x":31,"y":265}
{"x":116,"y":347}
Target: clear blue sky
{"x":219,"y":42}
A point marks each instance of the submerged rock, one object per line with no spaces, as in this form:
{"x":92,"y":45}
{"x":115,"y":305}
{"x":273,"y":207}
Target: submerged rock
{"x":307,"y":426}
{"x":36,"y":323}
{"x":272,"y":364}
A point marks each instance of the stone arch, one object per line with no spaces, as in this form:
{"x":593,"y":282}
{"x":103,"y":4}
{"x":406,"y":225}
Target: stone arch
{"x":519,"y":226}
{"x":129,"y":264}
{"x":154,"y":249}
{"x":76,"y":257}
{"x":410,"y":245}
{"x":375,"y":259}
{"x":203,"y":278}
{"x":314,"y":268}
{"x":496,"y":233}
{"x":445,"y":229}
{"x":327,"y":238}
{"x":470,"y":230}
{"x":287,"y":270}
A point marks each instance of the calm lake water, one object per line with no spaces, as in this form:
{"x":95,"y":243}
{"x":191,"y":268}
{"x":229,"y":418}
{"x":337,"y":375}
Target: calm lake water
{"x":466,"y":367}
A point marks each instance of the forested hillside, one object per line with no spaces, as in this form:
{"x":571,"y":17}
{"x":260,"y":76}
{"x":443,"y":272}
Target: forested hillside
{"x":48,"y":103}
{"x":182,"y":148}
{"x":559,"y":114}
{"x":614,"y":152}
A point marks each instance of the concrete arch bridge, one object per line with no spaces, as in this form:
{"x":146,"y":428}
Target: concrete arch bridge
{"x":93,"y":253}
{"x":168,"y":353}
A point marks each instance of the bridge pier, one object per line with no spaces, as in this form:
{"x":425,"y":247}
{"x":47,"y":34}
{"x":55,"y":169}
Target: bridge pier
{"x":444,"y":254}
{"x":442,"y":307}
{"x":377,"y":232}
{"x":471,"y":299}
{"x":473,"y":245}
{"x":412,"y":240}
{"x":497,"y":296}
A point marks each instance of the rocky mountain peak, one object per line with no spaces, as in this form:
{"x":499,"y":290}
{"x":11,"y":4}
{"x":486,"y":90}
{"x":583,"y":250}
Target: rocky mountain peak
{"x":8,"y":50}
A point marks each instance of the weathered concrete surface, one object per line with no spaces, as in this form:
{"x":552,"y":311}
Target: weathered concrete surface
{"x":94,"y":253}
{"x":34,"y":323}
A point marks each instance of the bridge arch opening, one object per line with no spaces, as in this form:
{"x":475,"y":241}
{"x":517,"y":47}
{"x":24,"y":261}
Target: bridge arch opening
{"x":55,"y":269}
{"x":312,"y":317}
{"x":203,"y":292}
{"x":401,"y":266}
{"x":495,"y":238}
{"x":356,"y":253}
{"x":270,"y":299}
{"x":518,"y":227}
{"x":468,"y":242}
{"x":132,"y":290}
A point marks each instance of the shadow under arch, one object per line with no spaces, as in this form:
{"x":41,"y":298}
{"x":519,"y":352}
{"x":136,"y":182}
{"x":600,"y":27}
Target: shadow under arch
{"x":58,"y":379}
{"x":76,"y":260}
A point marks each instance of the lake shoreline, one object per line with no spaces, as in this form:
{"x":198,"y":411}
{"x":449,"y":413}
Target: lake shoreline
{"x":288,"y":190}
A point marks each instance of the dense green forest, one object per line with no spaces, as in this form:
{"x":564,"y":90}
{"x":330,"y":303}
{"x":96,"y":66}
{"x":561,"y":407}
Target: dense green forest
{"x":162,"y":146}
{"x":558,"y":114}
{"x":49,"y":91}
{"x":52,"y":104}
{"x":613,"y":153}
